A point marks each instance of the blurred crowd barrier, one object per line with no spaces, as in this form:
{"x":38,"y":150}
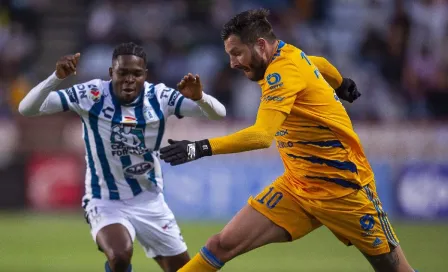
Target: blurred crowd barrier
{"x":44,"y":169}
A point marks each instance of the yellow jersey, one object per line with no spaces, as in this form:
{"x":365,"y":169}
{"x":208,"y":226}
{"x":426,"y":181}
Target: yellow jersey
{"x":321,"y":152}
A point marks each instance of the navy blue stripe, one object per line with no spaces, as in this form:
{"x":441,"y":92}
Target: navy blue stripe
{"x":177,"y":109}
{"x":370,"y":196}
{"x":331,"y":143}
{"x":341,"y":182}
{"x":341,"y":165}
{"x":382,"y":216}
{"x":211,"y":258}
{"x":141,"y":123}
{"x":318,"y":127}
{"x":63,"y":101}
{"x":280,"y":44}
{"x":152,"y":174}
{"x":96,"y":190}
{"x":125,"y":159}
{"x":93,"y":120}
{"x":156,"y":106}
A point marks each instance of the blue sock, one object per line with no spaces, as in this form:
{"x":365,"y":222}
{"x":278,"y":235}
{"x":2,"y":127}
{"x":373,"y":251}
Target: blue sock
{"x":107,"y":267}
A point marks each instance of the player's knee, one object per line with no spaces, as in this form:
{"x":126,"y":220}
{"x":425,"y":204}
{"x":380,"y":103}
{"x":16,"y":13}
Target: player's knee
{"x":119,"y":259}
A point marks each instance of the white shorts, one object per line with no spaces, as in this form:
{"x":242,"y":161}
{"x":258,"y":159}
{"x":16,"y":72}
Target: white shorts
{"x":147,"y":217}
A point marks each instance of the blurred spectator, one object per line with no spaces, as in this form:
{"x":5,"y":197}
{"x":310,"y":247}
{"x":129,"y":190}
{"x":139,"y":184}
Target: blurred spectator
{"x":401,"y":62}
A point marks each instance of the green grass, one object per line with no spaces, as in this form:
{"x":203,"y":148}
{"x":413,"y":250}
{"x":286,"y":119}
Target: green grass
{"x":62,"y":243}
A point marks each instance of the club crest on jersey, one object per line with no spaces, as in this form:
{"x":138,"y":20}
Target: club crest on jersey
{"x":150,"y":94}
{"x":95,"y":94}
{"x":147,"y":111}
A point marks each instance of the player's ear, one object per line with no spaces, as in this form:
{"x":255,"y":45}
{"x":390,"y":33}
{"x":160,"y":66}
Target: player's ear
{"x":261,"y":43}
{"x":110,"y":72}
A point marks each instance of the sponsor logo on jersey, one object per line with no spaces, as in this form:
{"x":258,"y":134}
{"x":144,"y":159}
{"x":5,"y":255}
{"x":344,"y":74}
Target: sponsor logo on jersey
{"x":377,"y":242}
{"x":148,"y":112}
{"x":282,"y":132}
{"x":127,"y":140}
{"x":274,"y":81}
{"x":72,"y":95}
{"x":95,"y":94}
{"x":287,"y":144}
{"x":138,"y":169}
{"x":273,"y":98}
{"x":273,"y":78}
{"x":173,"y":98}
{"x":368,"y":233}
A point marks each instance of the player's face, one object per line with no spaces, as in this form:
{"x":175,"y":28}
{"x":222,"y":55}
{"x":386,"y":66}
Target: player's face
{"x":245,"y":57}
{"x":128,"y":73}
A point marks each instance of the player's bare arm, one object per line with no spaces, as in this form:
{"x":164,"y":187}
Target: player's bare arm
{"x":40,"y":100}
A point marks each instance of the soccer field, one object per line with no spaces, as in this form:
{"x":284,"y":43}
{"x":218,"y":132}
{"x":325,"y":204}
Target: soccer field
{"x":62,"y":243}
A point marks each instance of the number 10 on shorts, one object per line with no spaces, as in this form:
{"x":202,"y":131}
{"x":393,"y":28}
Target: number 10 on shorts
{"x":271,"y":200}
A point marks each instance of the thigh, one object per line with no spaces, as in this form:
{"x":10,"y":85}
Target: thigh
{"x":358,"y":219}
{"x":102,"y":213}
{"x":115,"y":241}
{"x":157,"y":230}
{"x":282,"y":208}
{"x":273,"y":216}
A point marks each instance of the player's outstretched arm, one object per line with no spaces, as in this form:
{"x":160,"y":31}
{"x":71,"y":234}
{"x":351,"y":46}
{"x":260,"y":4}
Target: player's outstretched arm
{"x":345,"y":87}
{"x":41,"y":99}
{"x":199,"y":104}
{"x":258,"y":136}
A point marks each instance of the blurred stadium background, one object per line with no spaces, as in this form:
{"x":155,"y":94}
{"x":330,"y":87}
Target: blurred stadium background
{"x":395,"y":50}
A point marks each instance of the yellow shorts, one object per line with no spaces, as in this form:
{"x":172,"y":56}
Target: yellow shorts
{"x":356,"y":219}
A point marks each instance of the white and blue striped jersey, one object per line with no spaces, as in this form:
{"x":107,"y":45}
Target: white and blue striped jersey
{"x":122,"y":142}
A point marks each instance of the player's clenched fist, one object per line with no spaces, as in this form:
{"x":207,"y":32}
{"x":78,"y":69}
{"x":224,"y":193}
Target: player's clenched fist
{"x":190,"y":86}
{"x":67,"y":65}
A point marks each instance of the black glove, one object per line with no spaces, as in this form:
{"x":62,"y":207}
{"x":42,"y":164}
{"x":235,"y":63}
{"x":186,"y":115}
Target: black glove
{"x":179,"y":152}
{"x":348,"y":90}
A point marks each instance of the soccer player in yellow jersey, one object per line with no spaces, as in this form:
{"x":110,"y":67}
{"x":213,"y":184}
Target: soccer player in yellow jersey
{"x":327,"y":180}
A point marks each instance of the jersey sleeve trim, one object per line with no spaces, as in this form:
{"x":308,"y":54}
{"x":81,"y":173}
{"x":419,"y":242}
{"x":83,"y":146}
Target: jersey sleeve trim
{"x":177,"y":109}
{"x":63,"y":101}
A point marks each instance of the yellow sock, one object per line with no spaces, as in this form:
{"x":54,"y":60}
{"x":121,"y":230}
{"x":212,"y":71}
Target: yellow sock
{"x":204,"y":261}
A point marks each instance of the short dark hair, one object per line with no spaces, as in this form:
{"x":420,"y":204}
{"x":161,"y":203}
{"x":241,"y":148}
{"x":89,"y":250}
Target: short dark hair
{"x":129,"y":48}
{"x":249,"y":26}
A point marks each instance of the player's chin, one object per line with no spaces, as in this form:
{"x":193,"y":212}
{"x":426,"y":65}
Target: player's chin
{"x":248,"y":73}
{"x":128,"y":97}
{"x":252,"y":76}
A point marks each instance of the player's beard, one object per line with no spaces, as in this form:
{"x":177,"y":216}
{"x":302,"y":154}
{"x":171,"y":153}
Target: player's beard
{"x":258,"y":66}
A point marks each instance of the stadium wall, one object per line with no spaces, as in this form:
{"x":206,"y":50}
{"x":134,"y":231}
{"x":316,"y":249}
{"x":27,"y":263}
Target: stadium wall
{"x":410,"y":163}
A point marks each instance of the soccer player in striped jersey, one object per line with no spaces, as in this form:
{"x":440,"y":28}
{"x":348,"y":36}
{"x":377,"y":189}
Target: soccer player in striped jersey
{"x":327,"y":181}
{"x":123,"y":124}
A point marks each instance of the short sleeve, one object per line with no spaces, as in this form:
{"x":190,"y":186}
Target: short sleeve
{"x":281,"y":85}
